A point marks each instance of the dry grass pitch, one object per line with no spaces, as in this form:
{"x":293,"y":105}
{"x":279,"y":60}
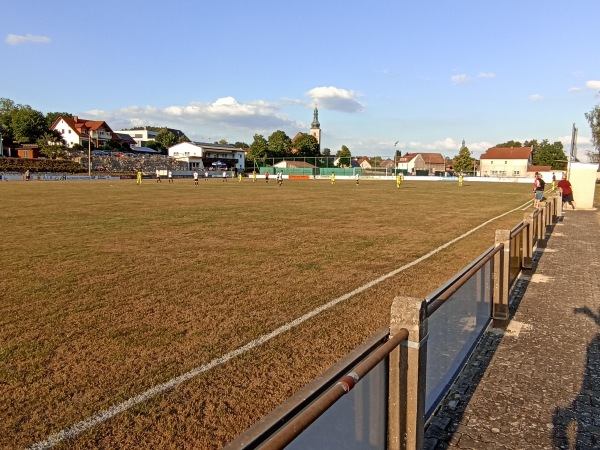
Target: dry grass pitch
{"x":109,"y":289}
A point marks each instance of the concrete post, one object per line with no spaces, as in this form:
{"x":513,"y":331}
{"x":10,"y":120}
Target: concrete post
{"x":408,"y":369}
{"x":501,"y":274}
{"x":558,"y":204}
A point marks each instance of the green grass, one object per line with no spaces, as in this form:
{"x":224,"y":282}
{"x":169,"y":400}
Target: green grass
{"x":109,"y":288}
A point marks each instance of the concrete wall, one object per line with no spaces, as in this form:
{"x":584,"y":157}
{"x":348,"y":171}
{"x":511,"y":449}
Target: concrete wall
{"x":583,"y":179}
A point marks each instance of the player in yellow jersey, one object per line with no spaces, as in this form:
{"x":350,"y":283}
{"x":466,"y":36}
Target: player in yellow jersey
{"x":138,"y":178}
{"x":332,"y":178}
{"x":460,"y":179}
{"x":254,"y":176}
{"x":398,"y":179}
{"x":240,"y":177}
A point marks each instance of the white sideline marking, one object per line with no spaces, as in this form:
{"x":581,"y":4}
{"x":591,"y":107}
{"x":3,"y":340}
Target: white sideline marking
{"x":107,"y":414}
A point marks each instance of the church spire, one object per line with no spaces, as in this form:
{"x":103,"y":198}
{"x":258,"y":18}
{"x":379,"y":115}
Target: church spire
{"x":315,"y":123}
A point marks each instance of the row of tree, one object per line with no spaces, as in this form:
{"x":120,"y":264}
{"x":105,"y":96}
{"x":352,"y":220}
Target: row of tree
{"x":21,"y":124}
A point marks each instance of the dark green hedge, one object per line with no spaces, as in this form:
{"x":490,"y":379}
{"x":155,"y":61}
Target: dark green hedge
{"x":39,"y":165}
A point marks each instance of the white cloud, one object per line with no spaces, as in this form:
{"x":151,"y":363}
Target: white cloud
{"x":593,"y":84}
{"x":460,"y":79}
{"x":332,"y":98}
{"x":17,"y":39}
{"x":536,"y":97}
{"x":574,"y":89}
{"x":486,"y":75}
{"x":225,"y":118}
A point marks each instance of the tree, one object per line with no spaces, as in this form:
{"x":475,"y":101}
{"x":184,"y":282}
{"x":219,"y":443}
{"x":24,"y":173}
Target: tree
{"x":593,"y":118}
{"x":21,"y":123}
{"x":156,"y":146}
{"x":546,"y":154}
{"x":52,"y":116}
{"x":241,"y":145}
{"x":345,"y":156}
{"x":165,"y":138}
{"x":509,"y":144}
{"x":28,"y":125}
{"x":183,"y":138}
{"x":222,"y":142}
{"x":53,"y":145}
{"x":326,"y":151}
{"x":258,"y":149}
{"x":306,"y":145}
{"x":463,"y":161}
{"x":279,"y":144}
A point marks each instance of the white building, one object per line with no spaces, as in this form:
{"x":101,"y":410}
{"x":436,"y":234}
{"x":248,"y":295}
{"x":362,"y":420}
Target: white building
{"x":506,"y":162}
{"x":141,"y":137}
{"x":199,"y":155}
{"x":79,"y":131}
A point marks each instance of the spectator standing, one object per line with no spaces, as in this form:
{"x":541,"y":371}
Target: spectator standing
{"x":567,"y":192}
{"x":538,"y":189}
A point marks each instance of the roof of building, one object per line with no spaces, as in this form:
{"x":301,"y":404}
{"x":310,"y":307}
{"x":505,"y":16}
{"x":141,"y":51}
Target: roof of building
{"x":429,"y":158}
{"x":539,"y":168}
{"x":507,"y":153}
{"x":79,"y":125}
{"x":294,"y":165}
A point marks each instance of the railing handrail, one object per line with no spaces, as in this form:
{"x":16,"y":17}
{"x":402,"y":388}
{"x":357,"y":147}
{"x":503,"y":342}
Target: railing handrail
{"x":518,"y":228}
{"x":261,"y":431}
{"x":443,"y":293}
{"x":299,"y":423}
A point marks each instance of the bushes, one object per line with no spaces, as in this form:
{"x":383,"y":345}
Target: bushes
{"x":39,"y":165}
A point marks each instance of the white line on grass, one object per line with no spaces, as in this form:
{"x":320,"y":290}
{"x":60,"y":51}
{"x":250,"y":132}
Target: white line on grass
{"x":107,"y":414}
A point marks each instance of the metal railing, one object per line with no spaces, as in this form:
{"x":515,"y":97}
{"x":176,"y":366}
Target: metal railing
{"x":413,"y":364}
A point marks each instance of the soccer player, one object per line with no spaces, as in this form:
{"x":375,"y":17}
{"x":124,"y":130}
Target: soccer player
{"x":196,"y":177}
{"x":356,"y":177}
{"x":267,"y":177}
{"x":224,"y":176}
{"x":398,"y":179}
{"x":139,"y":178}
{"x":280,"y":178}
{"x":158,"y":180}
{"x":170,"y":176}
{"x":240,"y":177}
{"x":332,"y":178}
{"x":553,"y":181}
{"x":254,"y":176}
{"x":460,"y":179}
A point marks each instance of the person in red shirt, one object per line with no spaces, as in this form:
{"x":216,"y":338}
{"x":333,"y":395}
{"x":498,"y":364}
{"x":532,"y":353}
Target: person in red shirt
{"x":567,"y":191}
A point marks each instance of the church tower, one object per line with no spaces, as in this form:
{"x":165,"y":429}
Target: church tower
{"x":315,"y":126}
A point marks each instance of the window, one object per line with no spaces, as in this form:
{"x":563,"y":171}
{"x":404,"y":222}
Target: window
{"x":516,"y":172}
{"x":69,"y":131}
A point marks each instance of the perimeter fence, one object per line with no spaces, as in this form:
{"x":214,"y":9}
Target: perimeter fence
{"x":381,"y":395}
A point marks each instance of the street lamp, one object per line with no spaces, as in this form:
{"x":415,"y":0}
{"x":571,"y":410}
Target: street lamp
{"x":90,"y":153}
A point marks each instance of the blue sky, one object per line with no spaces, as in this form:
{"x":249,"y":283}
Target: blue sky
{"x":425,"y":74}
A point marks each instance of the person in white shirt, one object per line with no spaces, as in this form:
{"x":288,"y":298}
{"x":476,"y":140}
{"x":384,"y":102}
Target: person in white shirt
{"x":196,"y":177}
